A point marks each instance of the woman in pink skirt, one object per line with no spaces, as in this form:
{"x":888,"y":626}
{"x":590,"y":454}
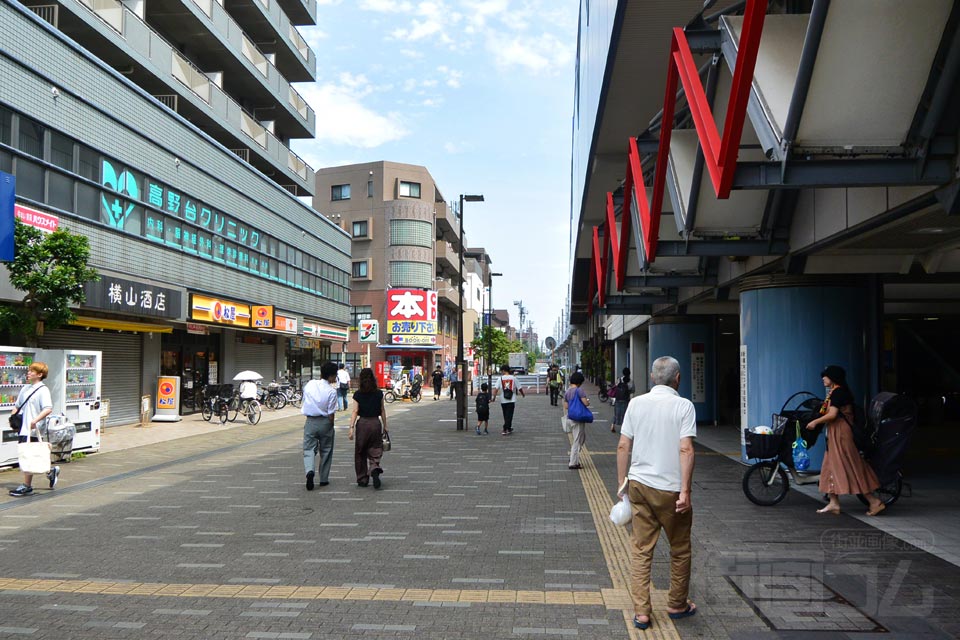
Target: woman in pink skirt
{"x":844,"y":471}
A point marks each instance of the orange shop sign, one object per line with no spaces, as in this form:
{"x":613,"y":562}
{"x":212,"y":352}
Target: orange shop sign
{"x":263,"y":317}
{"x":227,"y":312}
{"x":286,"y":324}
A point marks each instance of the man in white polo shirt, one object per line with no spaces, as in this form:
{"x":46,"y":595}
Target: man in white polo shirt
{"x":656,"y":455}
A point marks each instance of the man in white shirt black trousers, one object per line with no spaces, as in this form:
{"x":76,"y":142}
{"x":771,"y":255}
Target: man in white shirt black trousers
{"x":655,"y":455}
{"x":319,"y":407}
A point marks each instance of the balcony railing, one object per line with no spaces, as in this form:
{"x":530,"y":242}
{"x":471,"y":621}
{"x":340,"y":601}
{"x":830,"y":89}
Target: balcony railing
{"x":171,"y":100}
{"x":48,"y":12}
{"x":243,"y":154}
{"x":195,"y":80}
{"x":299,"y":43}
{"x":296,"y":164}
{"x":298,"y":103}
{"x":110,"y":11}
{"x":253,"y":129}
{"x":253,"y":54}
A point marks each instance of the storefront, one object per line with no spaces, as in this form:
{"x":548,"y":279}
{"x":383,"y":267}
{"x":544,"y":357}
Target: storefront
{"x":193,"y":355}
{"x":126,"y":341}
{"x":326,"y":343}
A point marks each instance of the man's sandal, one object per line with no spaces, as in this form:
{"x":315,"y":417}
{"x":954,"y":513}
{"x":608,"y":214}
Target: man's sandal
{"x":686,"y":613}
{"x":642,"y":625}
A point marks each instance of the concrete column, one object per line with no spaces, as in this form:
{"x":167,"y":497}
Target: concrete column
{"x":151,"y":367}
{"x":689,"y":339}
{"x":790,"y":329}
{"x":622,"y":356}
{"x":639,"y":364}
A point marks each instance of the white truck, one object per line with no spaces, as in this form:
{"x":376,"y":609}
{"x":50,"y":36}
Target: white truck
{"x":518,"y":362}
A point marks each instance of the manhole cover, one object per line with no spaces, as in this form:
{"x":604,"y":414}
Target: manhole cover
{"x":285,"y":512}
{"x":792,"y":603}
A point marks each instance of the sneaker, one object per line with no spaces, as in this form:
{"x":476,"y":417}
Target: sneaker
{"x":478,"y":430}
{"x":376,"y":477}
{"x":363,"y":483}
{"x":53,"y":476}
{"x":322,"y":484}
{"x":310,"y":475}
{"x":21,"y":491}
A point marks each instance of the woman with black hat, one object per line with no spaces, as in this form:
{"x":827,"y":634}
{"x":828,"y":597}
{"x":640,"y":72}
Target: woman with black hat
{"x":843,"y":471}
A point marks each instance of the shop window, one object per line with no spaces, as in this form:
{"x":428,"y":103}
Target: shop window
{"x":340,"y":192}
{"x":409,"y":189}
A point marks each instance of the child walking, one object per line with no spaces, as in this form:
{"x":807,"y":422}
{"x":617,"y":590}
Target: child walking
{"x":483,"y":408}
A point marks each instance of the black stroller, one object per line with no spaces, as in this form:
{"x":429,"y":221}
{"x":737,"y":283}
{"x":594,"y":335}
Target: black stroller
{"x":891,"y":421}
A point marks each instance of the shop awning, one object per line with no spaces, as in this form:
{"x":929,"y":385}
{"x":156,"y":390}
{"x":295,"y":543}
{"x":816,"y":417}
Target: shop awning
{"x":121,"y":325}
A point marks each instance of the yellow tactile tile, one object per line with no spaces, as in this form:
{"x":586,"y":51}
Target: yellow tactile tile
{"x":587,"y":597}
{"x":474,"y":596}
{"x":360,"y":594}
{"x":335,"y":593}
{"x":420,"y":595}
{"x":501,"y":595}
{"x":307,"y":593}
{"x":252,"y":591}
{"x":392,"y":595}
{"x":280,"y":592}
{"x":445,"y":595}
{"x":226,"y":591}
{"x":121,"y":588}
{"x":559,"y":597}
{"x":530,"y":597}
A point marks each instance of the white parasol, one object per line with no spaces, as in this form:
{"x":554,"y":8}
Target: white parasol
{"x":248,"y":375}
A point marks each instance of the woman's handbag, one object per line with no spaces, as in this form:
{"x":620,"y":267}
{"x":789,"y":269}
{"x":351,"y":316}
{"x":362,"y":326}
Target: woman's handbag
{"x":801,"y":459}
{"x":577,"y":411}
{"x":34,"y":457}
{"x":386,"y":441}
{"x":16,"y":420}
{"x":565,"y":424}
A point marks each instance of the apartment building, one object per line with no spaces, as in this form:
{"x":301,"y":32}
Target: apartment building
{"x":161,"y":131}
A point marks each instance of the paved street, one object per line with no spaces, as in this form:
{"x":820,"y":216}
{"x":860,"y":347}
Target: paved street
{"x":214,"y":536}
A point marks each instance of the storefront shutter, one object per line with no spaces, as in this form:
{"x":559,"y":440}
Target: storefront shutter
{"x":261,"y":358}
{"x":121,"y":367}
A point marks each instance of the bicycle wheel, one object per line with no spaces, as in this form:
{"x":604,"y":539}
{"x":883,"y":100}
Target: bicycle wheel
{"x":233,"y":409}
{"x":417,"y":397}
{"x":206,"y":411}
{"x":252,"y":411}
{"x":389,"y":396}
{"x":297,"y":399}
{"x":765,"y":483}
{"x":603,"y":395}
{"x":281,"y":401}
{"x":270,"y":402}
{"x":888,"y":493}
{"x":222,"y":411}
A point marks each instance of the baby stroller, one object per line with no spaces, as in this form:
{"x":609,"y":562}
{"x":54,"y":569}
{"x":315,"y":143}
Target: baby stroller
{"x":60,"y":431}
{"x":891,"y":421}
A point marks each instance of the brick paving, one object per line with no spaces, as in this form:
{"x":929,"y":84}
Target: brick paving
{"x":214,"y":536}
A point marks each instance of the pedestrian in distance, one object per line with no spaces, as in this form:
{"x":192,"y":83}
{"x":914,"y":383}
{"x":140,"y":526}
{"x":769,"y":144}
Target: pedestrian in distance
{"x":454,"y":377}
{"x":437,"y":382}
{"x":625,"y":389}
{"x":655,"y":469}
{"x":843,"y":471}
{"x":343,"y":387}
{"x":483,"y":408}
{"x":368,"y":423}
{"x":578,"y":429}
{"x":553,"y":381}
{"x":319,"y":407}
{"x":509,"y":387}
{"x":34,"y":404}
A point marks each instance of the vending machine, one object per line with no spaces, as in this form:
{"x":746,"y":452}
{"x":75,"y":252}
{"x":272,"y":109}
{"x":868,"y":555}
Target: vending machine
{"x":13,"y":377}
{"x":75,"y":381}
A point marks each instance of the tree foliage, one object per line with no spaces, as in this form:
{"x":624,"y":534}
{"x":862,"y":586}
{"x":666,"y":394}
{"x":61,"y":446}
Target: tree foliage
{"x":495,"y":339}
{"x":51,"y":269}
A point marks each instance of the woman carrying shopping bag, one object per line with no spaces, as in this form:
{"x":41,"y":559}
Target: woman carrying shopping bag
{"x":33,"y":406}
{"x":575,"y":406}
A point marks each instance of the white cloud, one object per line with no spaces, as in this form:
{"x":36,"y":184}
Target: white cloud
{"x":542,"y":54}
{"x":386,"y":6}
{"x":343,"y":119}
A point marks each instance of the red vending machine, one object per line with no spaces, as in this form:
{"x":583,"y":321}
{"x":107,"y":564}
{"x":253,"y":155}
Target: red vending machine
{"x":382,"y":371}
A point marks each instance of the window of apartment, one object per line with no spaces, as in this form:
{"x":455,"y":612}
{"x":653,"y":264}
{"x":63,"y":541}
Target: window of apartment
{"x":61,"y":151}
{"x":31,"y":137}
{"x":340,"y":192}
{"x":360,"y":229}
{"x":409,"y":189}
{"x":89,"y":163}
{"x":417,"y":233}
{"x":360,"y":269}
{"x":369,"y":188}
{"x":411,"y":274}
{"x":360,"y":313}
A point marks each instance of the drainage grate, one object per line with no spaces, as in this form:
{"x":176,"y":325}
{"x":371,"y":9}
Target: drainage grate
{"x":801,"y":603}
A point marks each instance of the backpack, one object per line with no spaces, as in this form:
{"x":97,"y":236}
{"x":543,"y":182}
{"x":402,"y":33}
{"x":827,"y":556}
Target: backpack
{"x":508,"y":392}
{"x":483,"y":402}
{"x":622,"y":389}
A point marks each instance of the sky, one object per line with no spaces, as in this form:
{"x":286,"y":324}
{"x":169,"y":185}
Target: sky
{"x":480,"y":92}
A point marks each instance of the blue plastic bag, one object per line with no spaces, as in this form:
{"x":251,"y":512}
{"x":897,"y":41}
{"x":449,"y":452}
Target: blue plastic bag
{"x":577,"y":411}
{"x":801,"y":459}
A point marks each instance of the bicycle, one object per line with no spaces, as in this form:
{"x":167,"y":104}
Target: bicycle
{"x":250,"y":410}
{"x":214,"y":405}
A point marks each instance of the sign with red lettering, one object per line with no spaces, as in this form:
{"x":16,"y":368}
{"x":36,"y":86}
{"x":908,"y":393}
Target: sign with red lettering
{"x":34,"y":218}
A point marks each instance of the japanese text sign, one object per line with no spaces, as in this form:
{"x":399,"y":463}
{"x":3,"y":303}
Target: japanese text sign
{"x":263,"y":317}
{"x":411,"y":304}
{"x":131,"y":296}
{"x":207,"y":309}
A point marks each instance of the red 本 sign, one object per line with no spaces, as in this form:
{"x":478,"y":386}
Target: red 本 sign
{"x":411,"y":305}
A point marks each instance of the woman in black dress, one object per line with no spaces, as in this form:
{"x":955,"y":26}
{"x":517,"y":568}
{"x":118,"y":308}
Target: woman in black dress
{"x":368,"y":423}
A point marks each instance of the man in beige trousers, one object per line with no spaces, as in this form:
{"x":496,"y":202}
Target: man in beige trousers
{"x":655,"y":455}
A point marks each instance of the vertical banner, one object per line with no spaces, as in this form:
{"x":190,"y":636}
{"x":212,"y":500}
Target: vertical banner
{"x":698,"y":372}
{"x":743,"y":394}
{"x":8,"y":190}
{"x":168,"y":399}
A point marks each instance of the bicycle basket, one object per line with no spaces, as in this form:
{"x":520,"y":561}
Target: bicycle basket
{"x":763,"y":446}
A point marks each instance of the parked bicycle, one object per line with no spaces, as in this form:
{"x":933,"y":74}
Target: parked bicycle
{"x":271,"y":397}
{"x":214,"y":404}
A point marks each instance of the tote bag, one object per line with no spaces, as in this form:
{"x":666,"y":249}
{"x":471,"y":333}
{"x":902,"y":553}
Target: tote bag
{"x":577,"y":411}
{"x":34,"y":457}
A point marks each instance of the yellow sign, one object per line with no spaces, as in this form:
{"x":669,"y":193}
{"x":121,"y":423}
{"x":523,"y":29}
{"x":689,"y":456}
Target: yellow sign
{"x":412,"y":327}
{"x":227,"y":312}
{"x":262,"y":317}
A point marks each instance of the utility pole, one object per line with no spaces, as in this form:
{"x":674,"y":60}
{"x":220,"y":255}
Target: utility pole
{"x":523,"y":316}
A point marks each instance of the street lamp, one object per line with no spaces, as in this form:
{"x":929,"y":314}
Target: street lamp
{"x":490,"y":333}
{"x":461,"y":398}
